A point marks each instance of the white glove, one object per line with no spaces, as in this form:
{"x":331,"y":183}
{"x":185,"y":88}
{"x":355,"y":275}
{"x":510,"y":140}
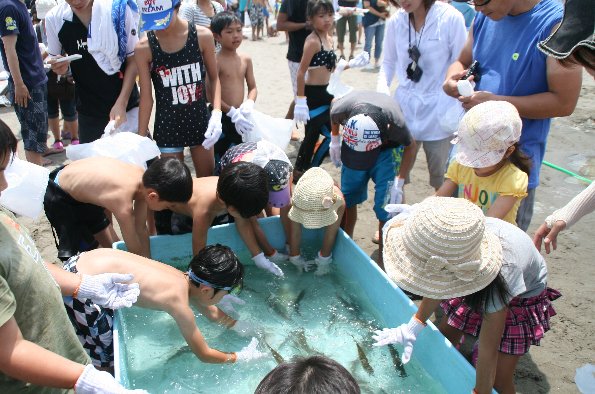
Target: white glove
{"x":340,"y":66}
{"x":301,"y":263}
{"x":323,"y":263}
{"x":247,"y":107}
{"x":396,"y":191}
{"x":107,"y":290}
{"x":360,"y":60}
{"x":244,"y":328}
{"x":214,"y":130}
{"x":262,"y":262}
{"x":405,"y":334}
{"x":301,"y":113}
{"x":278,"y":257}
{"x":226,"y":303}
{"x":243,"y":125}
{"x":250,"y":352}
{"x":400,"y":211}
{"x":335,"y":150}
{"x":93,"y":381}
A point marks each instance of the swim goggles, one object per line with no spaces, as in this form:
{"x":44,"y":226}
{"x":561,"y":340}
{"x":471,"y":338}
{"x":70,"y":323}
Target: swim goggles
{"x":197,"y":281}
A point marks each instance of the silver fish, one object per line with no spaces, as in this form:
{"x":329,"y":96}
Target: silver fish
{"x":397,"y":361}
{"x":298,"y":299}
{"x":278,"y":357}
{"x":364,"y":359}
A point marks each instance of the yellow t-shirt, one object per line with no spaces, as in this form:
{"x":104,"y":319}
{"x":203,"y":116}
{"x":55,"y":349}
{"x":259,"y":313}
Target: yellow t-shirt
{"x":483,"y":191}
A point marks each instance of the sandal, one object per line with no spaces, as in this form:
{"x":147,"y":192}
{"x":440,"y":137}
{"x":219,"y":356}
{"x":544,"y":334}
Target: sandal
{"x":350,"y":57}
{"x":376,"y":237}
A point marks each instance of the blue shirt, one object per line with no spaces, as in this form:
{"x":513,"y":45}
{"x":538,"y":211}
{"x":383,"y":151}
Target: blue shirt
{"x":15,"y":19}
{"x":511,"y":65}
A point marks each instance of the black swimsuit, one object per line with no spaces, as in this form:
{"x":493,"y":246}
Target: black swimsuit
{"x":324,"y":58}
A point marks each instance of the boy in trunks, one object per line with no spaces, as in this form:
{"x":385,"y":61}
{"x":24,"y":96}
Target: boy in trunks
{"x":212,"y":274}
{"x":177,"y":59}
{"x":234,"y":68}
{"x":240,"y":191}
{"x":78,"y":193}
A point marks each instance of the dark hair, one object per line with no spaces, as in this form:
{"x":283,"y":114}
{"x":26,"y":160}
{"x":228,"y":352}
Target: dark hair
{"x":312,"y":375}
{"x":582,"y":56}
{"x":170,"y":178}
{"x":222,"y":20}
{"x":495,"y":291}
{"x":316,"y":6}
{"x":244,"y":186}
{"x":8,"y":142}
{"x":520,"y":159}
{"x":218,"y":265}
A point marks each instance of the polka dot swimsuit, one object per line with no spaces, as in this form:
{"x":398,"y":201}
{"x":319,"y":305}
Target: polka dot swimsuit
{"x":324,"y":58}
{"x":181,"y":115}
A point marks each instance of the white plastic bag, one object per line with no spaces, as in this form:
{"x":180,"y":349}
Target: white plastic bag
{"x":274,"y":130}
{"x":128,"y":147}
{"x":27,"y":183}
{"x":452,"y":116}
{"x":585,"y":378}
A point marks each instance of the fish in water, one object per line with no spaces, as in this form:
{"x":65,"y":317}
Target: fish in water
{"x":349,"y":305}
{"x":298,"y":299}
{"x":364,"y":359}
{"x":278,"y":308}
{"x":397,"y":361}
{"x":278,"y":357}
{"x":299,"y":337}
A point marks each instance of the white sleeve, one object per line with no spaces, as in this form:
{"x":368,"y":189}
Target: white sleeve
{"x":390,"y":50}
{"x":52,"y":27}
{"x":458,"y":36}
{"x":582,"y":204}
{"x":132,"y":31}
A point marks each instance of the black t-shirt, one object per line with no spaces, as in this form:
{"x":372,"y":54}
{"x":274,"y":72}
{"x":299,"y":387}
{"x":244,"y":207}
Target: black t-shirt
{"x":296,"y":12}
{"x":348,"y":3}
{"x":96,"y":91}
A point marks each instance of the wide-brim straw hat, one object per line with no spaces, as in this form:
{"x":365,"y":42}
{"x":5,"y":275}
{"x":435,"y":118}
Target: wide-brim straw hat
{"x":443,"y":250}
{"x":314,"y":202}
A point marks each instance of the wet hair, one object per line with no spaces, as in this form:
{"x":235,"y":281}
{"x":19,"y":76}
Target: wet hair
{"x":520,"y":159}
{"x":582,"y":56}
{"x":316,"y":6}
{"x":495,"y":291}
{"x":244,"y":186}
{"x":218,"y":265}
{"x":170,"y":178}
{"x":223,"y":20}
{"x":8,"y":142}
{"x":315,"y":374}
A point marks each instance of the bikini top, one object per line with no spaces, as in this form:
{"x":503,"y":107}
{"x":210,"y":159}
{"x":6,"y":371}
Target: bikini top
{"x":324,"y":58}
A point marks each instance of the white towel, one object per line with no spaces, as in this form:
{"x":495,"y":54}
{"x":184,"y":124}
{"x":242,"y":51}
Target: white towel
{"x":102,"y":41}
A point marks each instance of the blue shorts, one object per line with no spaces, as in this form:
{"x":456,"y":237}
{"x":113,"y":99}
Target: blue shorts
{"x":33,"y":119}
{"x":354,"y":183}
{"x":175,"y":149}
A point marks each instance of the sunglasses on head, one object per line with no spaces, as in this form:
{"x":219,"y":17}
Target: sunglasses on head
{"x":235,"y":290}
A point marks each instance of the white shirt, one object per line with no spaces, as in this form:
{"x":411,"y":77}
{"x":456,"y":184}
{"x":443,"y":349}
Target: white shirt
{"x":424,"y":102}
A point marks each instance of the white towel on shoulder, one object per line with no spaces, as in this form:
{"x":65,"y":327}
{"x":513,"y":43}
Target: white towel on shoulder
{"x":102,"y":41}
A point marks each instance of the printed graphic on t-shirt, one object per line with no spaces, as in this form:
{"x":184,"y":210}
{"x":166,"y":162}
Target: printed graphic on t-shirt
{"x":481,"y":197}
{"x":11,"y":24}
{"x":184,"y":82}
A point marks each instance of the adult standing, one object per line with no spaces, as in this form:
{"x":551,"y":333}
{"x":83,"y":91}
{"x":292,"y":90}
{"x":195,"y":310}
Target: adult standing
{"x":200,"y":12}
{"x":422,"y":38}
{"x":374,"y":21}
{"x":101,"y":97}
{"x":292,"y":19}
{"x":348,"y":17}
{"x":539,"y":87}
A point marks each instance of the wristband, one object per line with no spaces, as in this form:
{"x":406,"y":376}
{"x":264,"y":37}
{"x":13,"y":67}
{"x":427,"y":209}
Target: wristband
{"x":419,"y":321}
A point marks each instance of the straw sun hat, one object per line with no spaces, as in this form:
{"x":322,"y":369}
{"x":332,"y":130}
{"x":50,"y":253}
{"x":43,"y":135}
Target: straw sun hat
{"x":314,"y":202}
{"x":443,"y":250}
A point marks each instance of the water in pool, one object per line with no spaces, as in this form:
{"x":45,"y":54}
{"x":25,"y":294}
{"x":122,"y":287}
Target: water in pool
{"x":302,"y":314}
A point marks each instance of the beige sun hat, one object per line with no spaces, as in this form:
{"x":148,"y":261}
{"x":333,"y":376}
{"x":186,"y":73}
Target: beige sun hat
{"x":314,"y":202}
{"x":443,"y":250}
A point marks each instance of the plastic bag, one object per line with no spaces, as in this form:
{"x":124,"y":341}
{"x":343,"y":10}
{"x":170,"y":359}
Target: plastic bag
{"x":585,"y":378}
{"x":335,"y":87}
{"x":27,"y":183}
{"x":452,"y":116}
{"x":274,"y":130}
{"x":128,"y":147}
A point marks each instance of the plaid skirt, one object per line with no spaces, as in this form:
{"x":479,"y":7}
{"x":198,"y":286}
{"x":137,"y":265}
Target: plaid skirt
{"x":526,"y":321}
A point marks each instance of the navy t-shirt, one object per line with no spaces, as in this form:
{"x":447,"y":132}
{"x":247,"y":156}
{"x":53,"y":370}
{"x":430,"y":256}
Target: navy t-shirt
{"x":296,"y":12}
{"x":14,"y":19}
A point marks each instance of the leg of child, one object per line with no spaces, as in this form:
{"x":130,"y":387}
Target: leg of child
{"x":504,"y":382}
{"x":330,"y":234}
{"x":350,"y":220}
{"x":452,"y":334}
{"x":203,"y":160}
{"x":107,"y":236}
{"x":295,"y":238}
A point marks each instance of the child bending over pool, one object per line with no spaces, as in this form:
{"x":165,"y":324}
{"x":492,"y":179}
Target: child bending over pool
{"x":213,"y":273}
{"x":316,"y":203}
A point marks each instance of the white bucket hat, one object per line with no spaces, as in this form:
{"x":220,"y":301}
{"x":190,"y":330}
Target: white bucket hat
{"x":486,"y":132}
{"x":314,"y":202}
{"x":443,"y":250}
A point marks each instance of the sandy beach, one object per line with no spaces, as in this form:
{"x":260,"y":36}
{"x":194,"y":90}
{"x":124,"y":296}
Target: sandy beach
{"x":570,"y":343}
